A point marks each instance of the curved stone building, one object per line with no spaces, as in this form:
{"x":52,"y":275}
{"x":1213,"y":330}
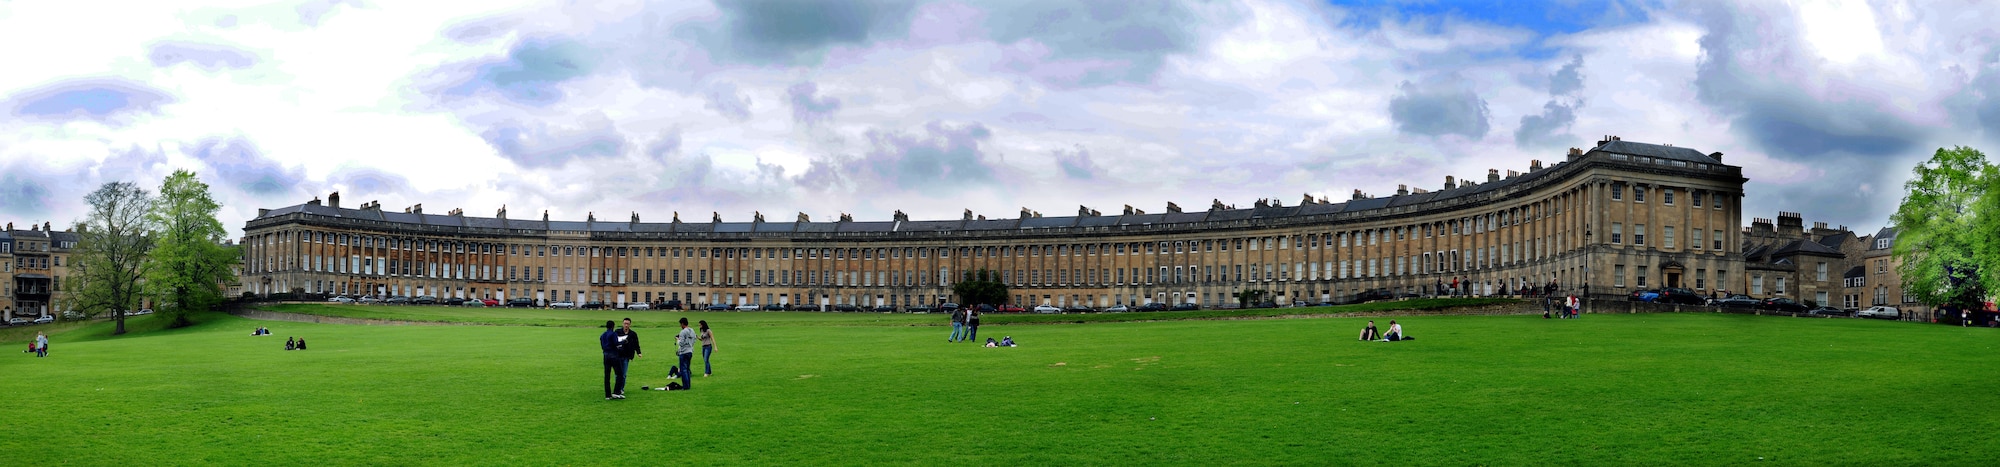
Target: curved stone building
{"x":1619,"y":216}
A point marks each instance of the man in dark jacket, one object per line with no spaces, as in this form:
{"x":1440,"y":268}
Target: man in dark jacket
{"x":957,"y":325}
{"x":620,"y":347}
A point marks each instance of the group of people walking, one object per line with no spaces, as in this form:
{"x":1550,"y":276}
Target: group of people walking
{"x":964,"y":325}
{"x":620,"y":345}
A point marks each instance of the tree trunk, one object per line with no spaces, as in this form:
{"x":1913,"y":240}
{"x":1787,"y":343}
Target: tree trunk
{"x":120,"y":328}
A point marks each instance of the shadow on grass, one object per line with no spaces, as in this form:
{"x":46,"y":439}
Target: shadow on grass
{"x":86,"y":331}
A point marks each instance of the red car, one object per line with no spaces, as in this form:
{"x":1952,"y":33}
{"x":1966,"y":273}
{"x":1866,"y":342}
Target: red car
{"x":1011,"y":309}
{"x":490,"y":302}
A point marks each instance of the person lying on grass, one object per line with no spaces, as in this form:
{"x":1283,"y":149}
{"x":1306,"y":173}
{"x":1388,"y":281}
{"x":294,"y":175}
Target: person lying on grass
{"x":1007,"y":341}
{"x":991,"y":343}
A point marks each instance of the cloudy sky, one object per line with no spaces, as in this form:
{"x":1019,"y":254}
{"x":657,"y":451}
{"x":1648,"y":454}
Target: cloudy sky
{"x":937,"y":107}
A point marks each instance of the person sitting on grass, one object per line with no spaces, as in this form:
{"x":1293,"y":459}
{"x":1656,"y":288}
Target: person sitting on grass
{"x":302,"y":343}
{"x":1370,"y":333}
{"x":1007,"y":341}
{"x":1396,"y":333}
{"x":991,"y":343}
{"x":291,"y":343}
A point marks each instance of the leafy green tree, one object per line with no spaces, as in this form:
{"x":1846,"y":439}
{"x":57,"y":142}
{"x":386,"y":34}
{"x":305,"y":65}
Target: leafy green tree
{"x":1941,"y":234}
{"x":111,"y":253}
{"x":189,"y":263}
{"x":982,"y":287}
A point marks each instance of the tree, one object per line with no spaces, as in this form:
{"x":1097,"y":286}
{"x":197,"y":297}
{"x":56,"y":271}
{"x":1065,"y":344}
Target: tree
{"x":1246,"y":298}
{"x":111,"y":253}
{"x":189,"y":263}
{"x":1940,"y":237}
{"x":983,"y":287}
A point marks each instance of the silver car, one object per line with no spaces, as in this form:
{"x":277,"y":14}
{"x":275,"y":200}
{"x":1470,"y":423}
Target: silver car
{"x":639,"y":306}
{"x":1884,"y":312}
{"x":1117,"y":309}
{"x":564,"y":304}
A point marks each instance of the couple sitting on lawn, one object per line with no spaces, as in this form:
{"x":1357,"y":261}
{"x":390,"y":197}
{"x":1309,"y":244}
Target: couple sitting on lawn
{"x":1395,"y":333}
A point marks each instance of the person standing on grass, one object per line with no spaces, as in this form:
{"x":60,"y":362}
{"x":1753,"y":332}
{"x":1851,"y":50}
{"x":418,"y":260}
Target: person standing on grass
{"x":41,"y":344}
{"x":971,"y":324}
{"x":957,"y":324}
{"x":684,"y":343}
{"x":707,"y":347}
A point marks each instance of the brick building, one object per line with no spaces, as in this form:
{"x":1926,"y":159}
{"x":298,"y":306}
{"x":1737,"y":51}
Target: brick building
{"x":36,"y":266}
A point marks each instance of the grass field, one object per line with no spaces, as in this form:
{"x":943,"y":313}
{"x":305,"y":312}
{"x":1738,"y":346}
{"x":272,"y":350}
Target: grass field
{"x":859,"y":389}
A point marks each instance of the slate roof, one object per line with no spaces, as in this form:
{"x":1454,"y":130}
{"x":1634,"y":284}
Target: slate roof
{"x":1628,"y":148}
{"x":1834,"y":241}
{"x":1853,"y":272}
{"x":1655,"y":150}
{"x":1803,"y":247}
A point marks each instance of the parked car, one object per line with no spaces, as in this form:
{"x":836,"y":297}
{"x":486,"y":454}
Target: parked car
{"x":339,"y":299}
{"x":672,"y":305}
{"x":846,"y":308}
{"x":918,"y":309}
{"x":424,"y":300}
{"x":1373,"y":295}
{"x":1077,"y":309}
{"x":1643,"y":296}
{"x":1117,"y":309}
{"x":1783,"y":304}
{"x":718,"y":307}
{"x":45,"y":319}
{"x":747,"y":307}
{"x":399,"y":300}
{"x":947,"y":307}
{"x":1152,"y":307}
{"x":72,"y":315}
{"x":885,"y":309}
{"x":1186,"y":307}
{"x":983,"y":309}
{"x":1680,"y":296}
{"x":521,"y":302}
{"x":473,"y":303}
{"x":563,"y":304}
{"x":774,"y":307}
{"x":593,"y":305}
{"x":368,"y":300}
{"x":1884,"y":312}
{"x":638,"y":306}
{"x":490,"y":301}
{"x":454,"y":301}
{"x":1827,"y":311}
{"x":19,"y":322}
{"x":143,"y":311}
{"x":1012,"y":309}
{"x":1736,"y":301}
{"x":1046,"y":309}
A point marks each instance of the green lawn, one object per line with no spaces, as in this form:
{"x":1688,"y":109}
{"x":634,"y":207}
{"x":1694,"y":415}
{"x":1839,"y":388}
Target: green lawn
{"x":803,"y":388}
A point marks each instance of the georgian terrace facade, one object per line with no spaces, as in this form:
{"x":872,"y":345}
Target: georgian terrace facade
{"x":1619,"y":216}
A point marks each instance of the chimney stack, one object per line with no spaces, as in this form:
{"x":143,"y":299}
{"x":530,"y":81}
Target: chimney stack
{"x":900,"y":217}
{"x":1534,"y":165}
{"x":333,"y":199}
{"x":1492,"y":175}
{"x":1402,"y":190}
{"x":1716,"y":155}
{"x":1450,"y":182}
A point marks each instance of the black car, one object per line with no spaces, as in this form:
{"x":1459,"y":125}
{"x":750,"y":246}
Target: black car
{"x":1737,"y":301}
{"x":521,"y":302}
{"x":1783,"y":304}
{"x":1372,"y":295}
{"x":885,"y":309}
{"x":1077,"y":309}
{"x":1827,"y":311}
{"x":947,"y":307}
{"x":592,"y":306}
{"x":846,"y":308}
{"x":774,"y":307}
{"x":397,"y":301}
{"x":1152,"y":307}
{"x":671,"y":305}
{"x":1679,"y":296}
{"x":454,"y":301}
{"x":1186,"y":307}
{"x":424,"y":300}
